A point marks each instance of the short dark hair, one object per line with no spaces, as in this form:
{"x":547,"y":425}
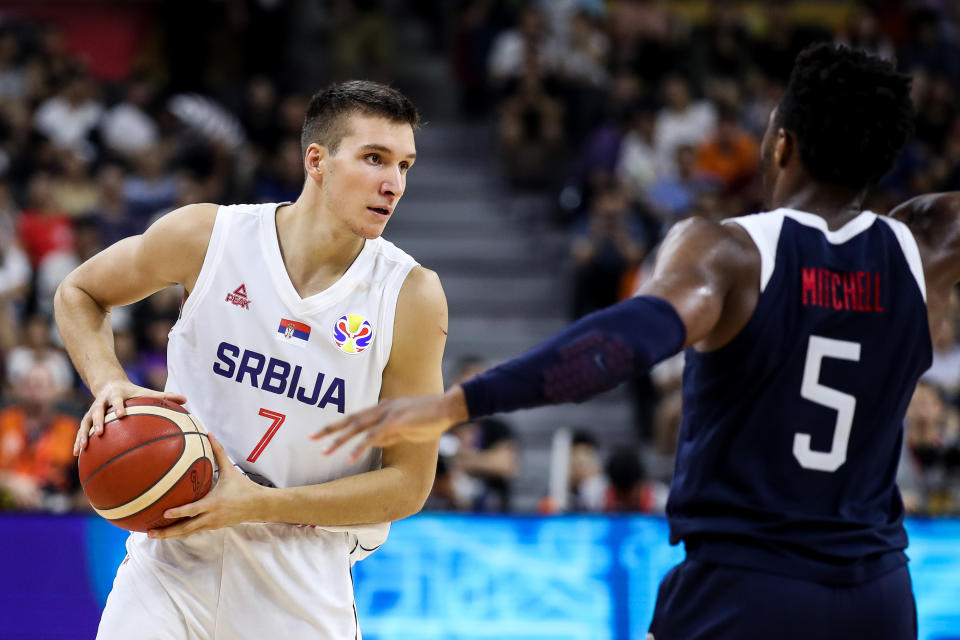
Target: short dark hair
{"x":850,"y":111}
{"x":326,"y":119}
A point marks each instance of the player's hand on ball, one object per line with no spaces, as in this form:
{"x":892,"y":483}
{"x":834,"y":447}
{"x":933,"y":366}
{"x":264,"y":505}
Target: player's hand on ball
{"x":230,"y":502}
{"x":422,"y":419}
{"x":112,"y":396}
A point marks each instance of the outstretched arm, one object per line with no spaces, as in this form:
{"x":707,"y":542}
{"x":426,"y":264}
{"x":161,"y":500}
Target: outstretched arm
{"x":699,"y":270}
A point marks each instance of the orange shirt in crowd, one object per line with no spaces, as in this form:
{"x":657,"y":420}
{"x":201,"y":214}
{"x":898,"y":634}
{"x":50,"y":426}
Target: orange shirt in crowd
{"x":49,"y":459}
{"x":728,"y":164}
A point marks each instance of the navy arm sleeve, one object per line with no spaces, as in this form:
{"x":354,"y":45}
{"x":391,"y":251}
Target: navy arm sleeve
{"x":593,"y":355}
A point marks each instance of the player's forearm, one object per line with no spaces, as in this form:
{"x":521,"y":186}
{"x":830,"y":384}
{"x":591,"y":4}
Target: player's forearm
{"x":85,"y":328}
{"x":384,"y":495}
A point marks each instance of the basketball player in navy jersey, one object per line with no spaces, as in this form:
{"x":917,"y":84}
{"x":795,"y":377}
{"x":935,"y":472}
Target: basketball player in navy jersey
{"x":806,"y":329}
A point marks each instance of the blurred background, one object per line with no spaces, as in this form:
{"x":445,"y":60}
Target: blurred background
{"x":562,"y":139}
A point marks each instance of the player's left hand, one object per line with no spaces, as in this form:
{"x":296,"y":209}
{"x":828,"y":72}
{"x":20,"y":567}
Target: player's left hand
{"x":231,"y":501}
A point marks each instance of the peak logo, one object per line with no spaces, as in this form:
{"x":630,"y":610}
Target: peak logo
{"x":239,"y":297}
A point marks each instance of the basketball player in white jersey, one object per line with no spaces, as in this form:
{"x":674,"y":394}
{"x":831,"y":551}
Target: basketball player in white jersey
{"x":296,"y":314}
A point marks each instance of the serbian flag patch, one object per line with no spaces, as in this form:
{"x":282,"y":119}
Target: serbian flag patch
{"x":293,"y":332}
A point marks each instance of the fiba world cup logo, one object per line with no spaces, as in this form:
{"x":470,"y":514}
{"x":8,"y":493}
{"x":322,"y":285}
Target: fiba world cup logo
{"x":352,"y":333}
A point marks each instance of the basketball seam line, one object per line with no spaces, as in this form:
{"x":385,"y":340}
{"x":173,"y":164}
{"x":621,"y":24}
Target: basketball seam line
{"x":102,"y":465}
{"x":159,"y":478}
{"x":182,"y":434}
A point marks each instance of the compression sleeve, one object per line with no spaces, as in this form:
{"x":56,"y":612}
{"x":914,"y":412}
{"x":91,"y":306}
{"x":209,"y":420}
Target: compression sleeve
{"x":593,"y":355}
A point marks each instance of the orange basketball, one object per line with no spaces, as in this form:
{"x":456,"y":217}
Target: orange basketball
{"x":157,"y":457}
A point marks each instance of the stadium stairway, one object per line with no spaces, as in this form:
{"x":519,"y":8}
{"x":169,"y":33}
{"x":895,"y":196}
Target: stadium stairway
{"x":505,"y":272}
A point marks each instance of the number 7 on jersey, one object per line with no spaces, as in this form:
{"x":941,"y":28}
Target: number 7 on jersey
{"x":278,"y":419}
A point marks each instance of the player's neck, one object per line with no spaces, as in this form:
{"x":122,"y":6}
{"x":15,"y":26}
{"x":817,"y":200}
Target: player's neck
{"x":836,"y":205}
{"x":315,"y":251}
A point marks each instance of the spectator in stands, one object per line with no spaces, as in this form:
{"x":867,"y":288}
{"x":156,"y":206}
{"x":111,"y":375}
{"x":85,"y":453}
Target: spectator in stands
{"x":42,"y":229}
{"x":37,"y":347}
{"x":605,"y":247}
{"x":70,"y":117}
{"x":730,"y":156}
{"x":74,"y":192}
{"x":628,"y":488}
{"x":13,"y":75}
{"x":862,"y":31}
{"x":514,"y":48}
{"x":125,"y":345}
{"x":680,"y":122}
{"x":936,"y":113}
{"x":37,"y":467}
{"x":928,"y":48}
{"x":15,"y":271}
{"x":362,"y":39}
{"x":484,"y":454}
{"x":281,"y":179}
{"x":583,"y":71}
{"x":442,"y":496}
{"x":929,"y":472}
{"x":259,"y":115}
{"x":58,"y":264}
{"x":672,"y":197}
{"x":152,"y":320}
{"x":128,"y":128}
{"x":722,"y":45}
{"x":531,"y":131}
{"x":152,"y":188}
{"x":588,"y":485}
{"x":637,"y":165}
{"x":111,"y":213}
{"x":944,"y":373}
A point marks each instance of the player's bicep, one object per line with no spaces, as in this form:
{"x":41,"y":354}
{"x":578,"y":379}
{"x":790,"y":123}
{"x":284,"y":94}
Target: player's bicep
{"x":414,"y":368}
{"x":419,"y":337}
{"x":694,"y":273}
{"x":116,"y":276}
{"x":170,"y":252}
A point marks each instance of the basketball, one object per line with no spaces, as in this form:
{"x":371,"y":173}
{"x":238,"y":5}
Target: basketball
{"x":155,"y":458}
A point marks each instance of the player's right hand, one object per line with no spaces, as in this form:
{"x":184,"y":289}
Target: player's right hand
{"x":112,"y":396}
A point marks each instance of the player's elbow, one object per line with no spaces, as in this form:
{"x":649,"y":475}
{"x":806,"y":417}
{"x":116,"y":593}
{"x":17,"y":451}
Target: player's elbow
{"x":417,"y":487}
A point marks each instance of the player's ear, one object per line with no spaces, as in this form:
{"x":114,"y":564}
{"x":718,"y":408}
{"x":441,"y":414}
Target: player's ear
{"x":314,"y":160}
{"x":783,"y":148}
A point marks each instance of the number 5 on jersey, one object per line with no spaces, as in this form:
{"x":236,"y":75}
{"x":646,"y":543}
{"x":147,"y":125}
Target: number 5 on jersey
{"x":845,"y":404}
{"x":278,"y":419}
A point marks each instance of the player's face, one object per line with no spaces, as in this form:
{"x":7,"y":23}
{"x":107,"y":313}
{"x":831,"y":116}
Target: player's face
{"x":367,"y":176}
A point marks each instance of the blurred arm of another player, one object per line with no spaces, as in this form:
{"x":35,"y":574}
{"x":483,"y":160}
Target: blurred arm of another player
{"x":170,"y":252}
{"x":397,"y":490}
{"x":705,"y":273}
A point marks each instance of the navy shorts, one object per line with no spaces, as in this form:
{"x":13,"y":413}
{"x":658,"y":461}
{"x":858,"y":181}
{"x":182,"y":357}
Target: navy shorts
{"x":699,"y":600}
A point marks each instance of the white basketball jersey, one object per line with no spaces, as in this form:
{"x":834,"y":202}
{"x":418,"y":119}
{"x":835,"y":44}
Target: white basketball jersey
{"x":263,"y":368}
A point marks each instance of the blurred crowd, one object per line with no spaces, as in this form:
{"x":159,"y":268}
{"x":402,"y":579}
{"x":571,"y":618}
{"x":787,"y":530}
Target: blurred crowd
{"x":638,"y":114}
{"x":632,"y":113}
{"x":85,"y":162}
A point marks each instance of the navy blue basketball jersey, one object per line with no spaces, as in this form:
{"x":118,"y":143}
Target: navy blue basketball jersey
{"x":791,"y":433}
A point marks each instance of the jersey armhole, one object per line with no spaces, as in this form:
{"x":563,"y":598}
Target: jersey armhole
{"x":764,"y":231}
{"x":215,"y":248}
{"x":911,"y":253}
{"x":388,"y":310}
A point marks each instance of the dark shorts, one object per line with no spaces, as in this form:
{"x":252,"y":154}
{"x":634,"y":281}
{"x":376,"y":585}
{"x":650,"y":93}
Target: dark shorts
{"x":699,"y":600}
